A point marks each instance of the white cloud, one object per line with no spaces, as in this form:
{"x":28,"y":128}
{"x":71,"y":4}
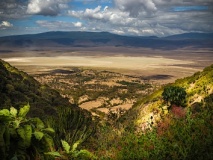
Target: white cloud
{"x":77,"y":24}
{"x":5,"y":24}
{"x":133,"y":17}
{"x":147,"y":17}
{"x":112,"y":16}
{"x":46,"y":7}
{"x":60,"y":25}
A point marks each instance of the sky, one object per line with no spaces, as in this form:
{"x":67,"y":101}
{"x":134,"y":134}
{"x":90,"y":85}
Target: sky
{"x":125,"y":17}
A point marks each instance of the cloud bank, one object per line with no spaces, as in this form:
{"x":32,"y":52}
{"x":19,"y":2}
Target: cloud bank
{"x":130,"y":17}
{"x":150,"y":17}
{"x":46,"y":7}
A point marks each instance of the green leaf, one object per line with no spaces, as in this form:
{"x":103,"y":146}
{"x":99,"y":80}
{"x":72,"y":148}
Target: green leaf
{"x":24,"y":110}
{"x":4,"y":112}
{"x":16,"y":123}
{"x":13,"y":111}
{"x":26,"y":134}
{"x":66,"y":146}
{"x":55,"y":154}
{"x":48,"y":130}
{"x":75,"y":145}
{"x":49,"y":142}
{"x":39,"y":123}
{"x":38,"y":135}
{"x":84,"y":154}
{"x":4,"y":119}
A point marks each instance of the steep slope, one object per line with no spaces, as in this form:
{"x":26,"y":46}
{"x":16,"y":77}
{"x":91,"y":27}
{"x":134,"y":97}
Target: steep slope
{"x":156,"y":129}
{"x":17,"y":89}
{"x":199,"y":89}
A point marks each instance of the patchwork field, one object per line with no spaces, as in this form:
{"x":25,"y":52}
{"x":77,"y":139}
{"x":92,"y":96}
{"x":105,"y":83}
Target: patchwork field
{"x":88,"y":75}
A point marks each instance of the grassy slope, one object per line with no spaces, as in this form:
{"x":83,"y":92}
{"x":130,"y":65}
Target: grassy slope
{"x":198,"y":87}
{"x":184,"y":134}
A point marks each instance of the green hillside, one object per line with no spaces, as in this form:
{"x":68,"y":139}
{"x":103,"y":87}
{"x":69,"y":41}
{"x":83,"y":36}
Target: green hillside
{"x":18,"y":89}
{"x":174,"y":125}
{"x":173,"y":129}
{"x":199,"y":88}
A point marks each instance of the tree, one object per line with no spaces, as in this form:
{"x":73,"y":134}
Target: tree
{"x":174,"y":95}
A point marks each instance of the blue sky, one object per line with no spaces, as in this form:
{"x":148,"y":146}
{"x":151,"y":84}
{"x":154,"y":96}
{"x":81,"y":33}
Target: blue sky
{"x":135,"y":17}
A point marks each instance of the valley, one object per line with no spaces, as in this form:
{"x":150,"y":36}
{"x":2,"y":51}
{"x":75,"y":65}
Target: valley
{"x":94,"y":94}
{"x":103,"y":81}
{"x":158,"y":65}
{"x":123,"y":92}
{"x":97,"y":91}
{"x":106,"y":80}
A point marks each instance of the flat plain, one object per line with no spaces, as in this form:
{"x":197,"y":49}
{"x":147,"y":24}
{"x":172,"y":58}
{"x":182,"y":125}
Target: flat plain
{"x":104,"y":79}
{"x":161,"y":66}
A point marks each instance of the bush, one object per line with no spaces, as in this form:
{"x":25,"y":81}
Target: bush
{"x":174,"y":95}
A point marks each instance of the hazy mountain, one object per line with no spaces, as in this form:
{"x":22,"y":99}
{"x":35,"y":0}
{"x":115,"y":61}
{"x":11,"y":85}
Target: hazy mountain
{"x":91,"y":39}
{"x":195,"y":36}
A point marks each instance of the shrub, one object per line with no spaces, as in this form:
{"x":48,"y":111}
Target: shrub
{"x":174,"y":95}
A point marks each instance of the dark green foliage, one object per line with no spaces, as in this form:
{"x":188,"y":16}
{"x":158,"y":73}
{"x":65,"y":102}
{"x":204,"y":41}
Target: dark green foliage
{"x":17,"y":89}
{"x":71,"y":125}
{"x":175,"y":95}
{"x":70,"y":122}
{"x":21,"y":137}
{"x":28,"y":138}
{"x":209,"y":101}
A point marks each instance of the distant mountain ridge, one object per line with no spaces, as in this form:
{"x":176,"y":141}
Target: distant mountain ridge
{"x":195,"y":36}
{"x":93,"y":39}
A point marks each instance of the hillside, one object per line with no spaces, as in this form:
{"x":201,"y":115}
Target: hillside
{"x":18,"y":89}
{"x":179,"y":127}
{"x":95,"y":39}
{"x":157,"y":129}
{"x":161,"y":130}
{"x":199,"y":88}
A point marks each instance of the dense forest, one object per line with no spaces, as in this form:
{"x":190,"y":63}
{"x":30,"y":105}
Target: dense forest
{"x":173,"y":122}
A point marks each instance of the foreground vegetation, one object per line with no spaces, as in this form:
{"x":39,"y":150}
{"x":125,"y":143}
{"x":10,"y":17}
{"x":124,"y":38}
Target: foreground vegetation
{"x":174,"y":122}
{"x":69,"y":122}
{"x":28,"y":138}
